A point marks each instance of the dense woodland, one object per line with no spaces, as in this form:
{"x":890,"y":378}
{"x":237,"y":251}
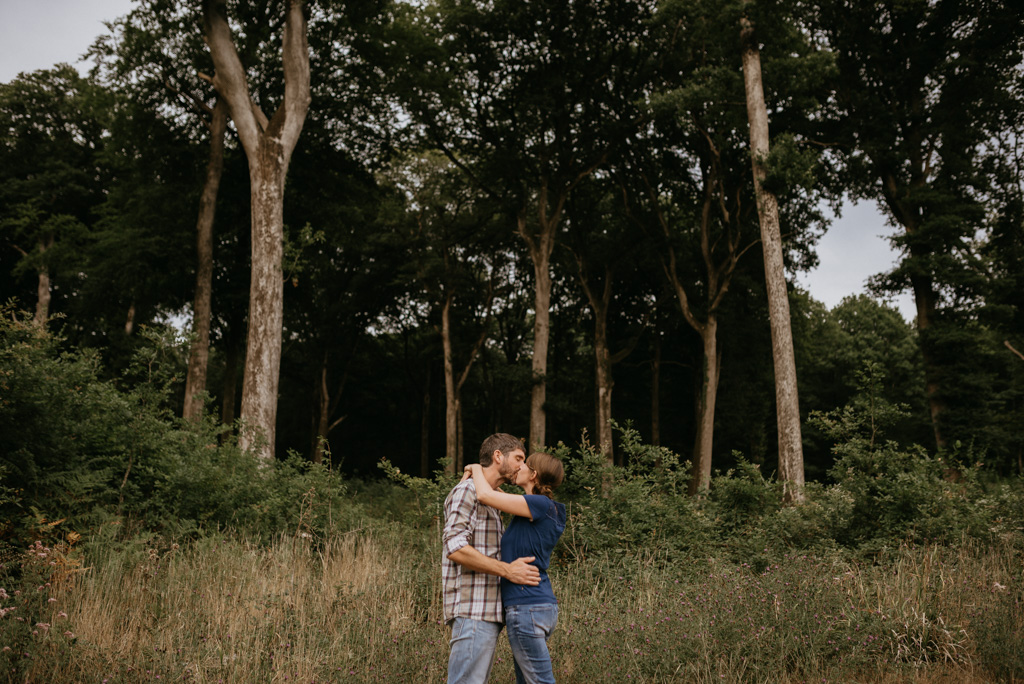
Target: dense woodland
{"x":495,"y":214}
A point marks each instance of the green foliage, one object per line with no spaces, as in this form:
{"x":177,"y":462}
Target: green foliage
{"x":79,"y":448}
{"x":623,"y":509}
{"x":892,"y":492}
{"x":427,"y":494}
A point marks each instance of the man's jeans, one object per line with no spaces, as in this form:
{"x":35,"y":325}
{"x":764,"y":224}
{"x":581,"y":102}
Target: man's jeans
{"x":472,"y":655}
{"x":529,"y":627}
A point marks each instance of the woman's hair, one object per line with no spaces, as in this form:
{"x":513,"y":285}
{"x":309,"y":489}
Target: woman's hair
{"x":550,"y":472}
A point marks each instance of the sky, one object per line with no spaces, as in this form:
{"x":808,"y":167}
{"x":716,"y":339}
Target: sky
{"x":40,"y":33}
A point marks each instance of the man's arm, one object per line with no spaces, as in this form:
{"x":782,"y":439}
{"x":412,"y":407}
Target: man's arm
{"x":518,"y":571}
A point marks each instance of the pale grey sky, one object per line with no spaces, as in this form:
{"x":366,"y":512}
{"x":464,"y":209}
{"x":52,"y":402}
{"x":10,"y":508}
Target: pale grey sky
{"x":36,"y":34}
{"x":855,"y":248}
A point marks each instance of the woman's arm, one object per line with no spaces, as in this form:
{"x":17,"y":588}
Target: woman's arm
{"x":485,"y":494}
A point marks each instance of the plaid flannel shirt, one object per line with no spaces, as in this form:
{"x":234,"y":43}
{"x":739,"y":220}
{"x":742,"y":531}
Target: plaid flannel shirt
{"x":467,"y":522}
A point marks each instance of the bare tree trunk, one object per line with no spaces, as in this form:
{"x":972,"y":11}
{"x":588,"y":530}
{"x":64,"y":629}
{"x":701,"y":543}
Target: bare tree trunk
{"x":719,"y":275}
{"x":604,"y":380}
{"x":925,"y":299}
{"x":322,"y":414}
{"x":266,"y":316}
{"x":540,"y":246}
{"x":327,"y":404}
{"x":129,"y":321}
{"x":451,"y":406}
{"x":791,"y":456}
{"x":199,"y":354}
{"x":459,"y":448}
{"x":605,"y":385}
{"x":43,"y":295}
{"x":706,"y":402}
{"x":425,"y":430}
{"x":656,"y":392}
{"x":230,"y":387}
{"x":453,"y":386}
{"x":268,"y":146}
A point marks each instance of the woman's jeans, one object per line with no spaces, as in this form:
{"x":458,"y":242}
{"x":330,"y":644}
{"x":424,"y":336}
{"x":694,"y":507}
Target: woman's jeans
{"x":529,"y":627}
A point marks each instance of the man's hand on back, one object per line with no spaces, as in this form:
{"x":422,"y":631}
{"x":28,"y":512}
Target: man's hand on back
{"x":521,"y":572}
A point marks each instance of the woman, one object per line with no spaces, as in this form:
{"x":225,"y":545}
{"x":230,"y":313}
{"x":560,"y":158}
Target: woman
{"x":530,"y":612}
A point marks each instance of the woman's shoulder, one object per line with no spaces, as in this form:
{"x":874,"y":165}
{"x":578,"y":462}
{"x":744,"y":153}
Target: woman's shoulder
{"x":544,"y":507}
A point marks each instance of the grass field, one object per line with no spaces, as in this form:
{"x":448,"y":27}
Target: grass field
{"x":364,"y":606}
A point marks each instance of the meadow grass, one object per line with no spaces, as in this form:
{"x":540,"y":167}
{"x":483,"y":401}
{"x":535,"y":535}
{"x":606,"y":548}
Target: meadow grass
{"x":364,"y":606}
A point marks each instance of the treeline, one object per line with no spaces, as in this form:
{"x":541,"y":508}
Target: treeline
{"x":496,"y":214}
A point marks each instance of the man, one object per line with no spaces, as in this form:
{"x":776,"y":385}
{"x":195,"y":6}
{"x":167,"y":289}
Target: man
{"x":471,"y":567}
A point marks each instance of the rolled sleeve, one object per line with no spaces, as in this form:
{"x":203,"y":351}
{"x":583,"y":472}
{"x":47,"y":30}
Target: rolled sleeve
{"x":460,"y":520}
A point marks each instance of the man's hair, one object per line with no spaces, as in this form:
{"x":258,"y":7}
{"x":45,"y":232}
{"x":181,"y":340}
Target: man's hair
{"x":499,"y":441}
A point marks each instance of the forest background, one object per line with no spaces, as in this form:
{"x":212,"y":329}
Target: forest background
{"x":493,"y":217}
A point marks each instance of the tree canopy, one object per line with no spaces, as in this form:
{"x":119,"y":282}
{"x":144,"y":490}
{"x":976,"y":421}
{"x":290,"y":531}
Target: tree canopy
{"x":495,"y":213}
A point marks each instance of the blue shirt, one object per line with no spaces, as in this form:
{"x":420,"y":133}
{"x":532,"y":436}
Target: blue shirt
{"x":538,"y":537}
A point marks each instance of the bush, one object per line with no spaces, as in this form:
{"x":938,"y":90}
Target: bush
{"x":89,"y":453}
{"x":642,"y":505}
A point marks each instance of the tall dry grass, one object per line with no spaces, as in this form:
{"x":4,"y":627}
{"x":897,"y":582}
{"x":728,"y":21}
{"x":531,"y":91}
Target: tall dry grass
{"x":365,"y":607}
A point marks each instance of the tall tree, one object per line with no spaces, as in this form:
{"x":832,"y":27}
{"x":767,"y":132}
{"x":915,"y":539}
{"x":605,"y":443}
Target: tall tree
{"x":268,"y":145}
{"x":53,"y":124}
{"x":787,"y":404}
{"x":609,"y":255}
{"x":922,"y":88}
{"x":525,"y":98}
{"x":453,"y":255}
{"x":154,"y":54}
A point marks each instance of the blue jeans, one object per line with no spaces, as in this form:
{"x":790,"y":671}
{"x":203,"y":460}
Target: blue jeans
{"x":472,"y":655}
{"x":529,"y":627}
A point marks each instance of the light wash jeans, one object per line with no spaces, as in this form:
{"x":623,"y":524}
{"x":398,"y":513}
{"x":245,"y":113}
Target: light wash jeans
{"x":472,"y":655}
{"x":529,"y":627}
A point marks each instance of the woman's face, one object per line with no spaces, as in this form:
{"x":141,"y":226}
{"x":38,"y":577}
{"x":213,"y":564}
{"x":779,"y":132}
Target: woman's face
{"x":524,"y":476}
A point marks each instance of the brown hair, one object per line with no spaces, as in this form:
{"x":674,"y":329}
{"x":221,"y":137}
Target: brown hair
{"x":499,"y":441}
{"x":550,"y":472}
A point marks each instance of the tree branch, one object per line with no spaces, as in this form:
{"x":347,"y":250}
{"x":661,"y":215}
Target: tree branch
{"x":229,"y":76}
{"x":295,"y":53}
{"x":1010,"y":347}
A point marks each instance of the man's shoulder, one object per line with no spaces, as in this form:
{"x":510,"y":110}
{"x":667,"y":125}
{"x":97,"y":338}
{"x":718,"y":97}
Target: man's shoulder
{"x":463,"y":491}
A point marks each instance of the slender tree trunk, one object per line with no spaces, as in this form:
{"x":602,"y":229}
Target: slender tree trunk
{"x":908,"y":215}
{"x":605,"y":384}
{"x":600,"y":303}
{"x":129,"y":321}
{"x":704,"y":439}
{"x":230,"y":386}
{"x":925,"y":299}
{"x":541,"y":338}
{"x":323,"y":414}
{"x":43,"y":294}
{"x":791,"y":458}
{"x":540,"y":247}
{"x":459,"y":447}
{"x":44,"y":291}
{"x":451,"y":407}
{"x":656,"y":392}
{"x":425,"y":429}
{"x":268,"y":145}
{"x":199,"y":354}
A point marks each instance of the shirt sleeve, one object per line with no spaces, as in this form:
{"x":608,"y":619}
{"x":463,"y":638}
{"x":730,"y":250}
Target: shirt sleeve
{"x":540,"y":506}
{"x":459,"y":519}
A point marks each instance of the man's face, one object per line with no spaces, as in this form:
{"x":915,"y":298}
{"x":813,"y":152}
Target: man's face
{"x":510,"y":464}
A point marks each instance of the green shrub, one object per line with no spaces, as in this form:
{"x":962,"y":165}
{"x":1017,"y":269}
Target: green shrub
{"x":642,"y":505}
{"x":85,"y":451}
